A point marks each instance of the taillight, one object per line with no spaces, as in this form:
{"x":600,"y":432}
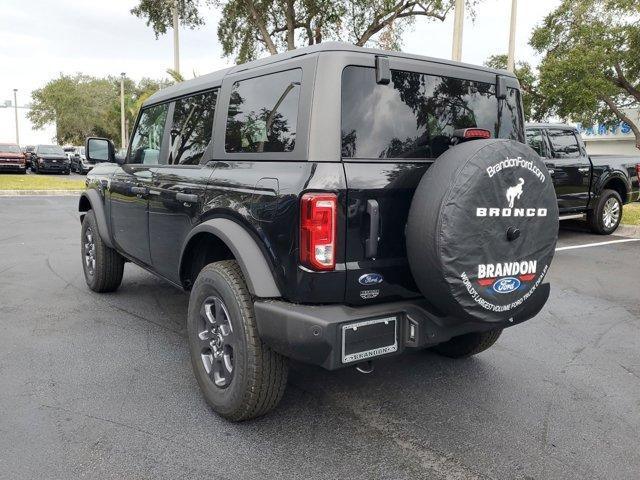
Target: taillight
{"x":476,"y":133}
{"x":318,"y":230}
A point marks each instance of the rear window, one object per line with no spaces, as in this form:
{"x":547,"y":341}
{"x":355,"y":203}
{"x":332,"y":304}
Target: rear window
{"x":192,"y":128}
{"x":263,"y":113}
{"x":564,"y":144}
{"x":415,"y":115}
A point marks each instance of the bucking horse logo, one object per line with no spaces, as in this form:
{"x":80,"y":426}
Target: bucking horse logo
{"x":514,"y":192}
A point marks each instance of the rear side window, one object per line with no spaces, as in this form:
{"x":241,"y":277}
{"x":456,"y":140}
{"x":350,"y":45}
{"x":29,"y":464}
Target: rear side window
{"x":192,"y":128}
{"x":564,"y":143}
{"x":146,"y":143}
{"x":536,"y":141}
{"x":263,"y":113}
{"x":416,"y":114}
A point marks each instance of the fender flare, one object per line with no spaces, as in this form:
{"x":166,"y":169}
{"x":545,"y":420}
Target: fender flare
{"x":254,"y":265}
{"x":97,"y":205}
{"x":612,"y":176}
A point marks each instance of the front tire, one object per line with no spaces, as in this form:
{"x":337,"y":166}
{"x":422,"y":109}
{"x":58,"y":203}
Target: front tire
{"x":607,"y":214}
{"x":103,"y":266}
{"x":240,"y":377}
{"x":468,"y":345}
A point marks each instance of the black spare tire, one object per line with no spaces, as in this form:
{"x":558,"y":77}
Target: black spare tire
{"x":482,"y":230}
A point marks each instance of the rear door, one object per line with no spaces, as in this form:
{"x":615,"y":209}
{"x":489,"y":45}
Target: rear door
{"x":131,"y":182}
{"x":179,"y":185}
{"x":391,"y":134}
{"x":571,"y":169}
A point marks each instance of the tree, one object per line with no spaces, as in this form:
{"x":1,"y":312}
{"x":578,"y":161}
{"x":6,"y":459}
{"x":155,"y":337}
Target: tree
{"x":78,"y":106}
{"x":159,"y":13}
{"x":591,"y":68}
{"x":251,"y":27}
{"x":81,"y":106}
{"x":535,"y":107}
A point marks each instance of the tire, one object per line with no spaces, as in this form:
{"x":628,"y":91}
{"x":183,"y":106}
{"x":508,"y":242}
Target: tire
{"x":482,"y":230}
{"x":103,"y":266}
{"x":607,"y":214}
{"x":467,"y":345}
{"x":240,"y":377}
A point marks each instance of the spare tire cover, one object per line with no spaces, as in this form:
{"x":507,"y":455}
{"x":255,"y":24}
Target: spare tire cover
{"x":482,"y":229}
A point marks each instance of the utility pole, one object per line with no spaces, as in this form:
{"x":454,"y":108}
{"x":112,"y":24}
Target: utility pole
{"x":458,"y":23}
{"x":122,"y":116}
{"x":15,"y":109}
{"x":176,"y":40}
{"x":511,"y":62}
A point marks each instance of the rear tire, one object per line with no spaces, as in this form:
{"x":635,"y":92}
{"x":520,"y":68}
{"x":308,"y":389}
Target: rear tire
{"x":240,"y":377}
{"x":467,"y":345}
{"x":607,"y":214}
{"x":103,"y":266}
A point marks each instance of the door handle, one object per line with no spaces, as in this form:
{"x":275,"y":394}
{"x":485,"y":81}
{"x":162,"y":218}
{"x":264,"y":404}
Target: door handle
{"x":371,"y":243}
{"x":187,"y":197}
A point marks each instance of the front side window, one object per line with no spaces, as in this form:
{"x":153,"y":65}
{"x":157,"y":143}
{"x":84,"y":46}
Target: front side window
{"x":564,"y":143}
{"x":415,"y":115}
{"x":263,"y":113}
{"x":536,"y":141}
{"x":192,"y":128}
{"x":147,"y":141}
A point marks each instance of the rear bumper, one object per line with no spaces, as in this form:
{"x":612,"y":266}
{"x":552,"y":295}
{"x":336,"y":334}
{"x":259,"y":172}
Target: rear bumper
{"x":312,"y":333}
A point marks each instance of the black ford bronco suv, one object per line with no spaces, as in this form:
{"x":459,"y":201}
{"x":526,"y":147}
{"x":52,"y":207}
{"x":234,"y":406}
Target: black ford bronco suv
{"x":331,"y":205}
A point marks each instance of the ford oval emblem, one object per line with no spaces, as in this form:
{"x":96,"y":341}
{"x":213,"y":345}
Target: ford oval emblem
{"x":506,"y":285}
{"x":370,"y":279}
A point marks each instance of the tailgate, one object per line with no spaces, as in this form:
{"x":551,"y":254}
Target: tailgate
{"x":377,"y":265}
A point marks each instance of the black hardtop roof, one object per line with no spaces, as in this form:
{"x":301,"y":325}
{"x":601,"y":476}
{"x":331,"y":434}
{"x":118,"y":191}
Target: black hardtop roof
{"x":562,"y":126}
{"x":215,"y":79}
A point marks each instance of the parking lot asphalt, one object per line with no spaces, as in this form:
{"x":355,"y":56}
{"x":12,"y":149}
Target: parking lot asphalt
{"x":100,"y":386}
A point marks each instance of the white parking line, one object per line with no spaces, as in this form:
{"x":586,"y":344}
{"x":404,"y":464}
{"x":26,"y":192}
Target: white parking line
{"x":571,"y":247}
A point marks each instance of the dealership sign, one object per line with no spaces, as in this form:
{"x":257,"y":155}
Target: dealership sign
{"x":617,"y":130}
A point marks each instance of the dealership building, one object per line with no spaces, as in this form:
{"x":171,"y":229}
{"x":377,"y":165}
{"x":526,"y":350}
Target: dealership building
{"x":615,"y":140}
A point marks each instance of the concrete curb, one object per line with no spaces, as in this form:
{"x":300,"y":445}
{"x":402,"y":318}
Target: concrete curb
{"x":631,"y":231}
{"x":56,"y":193}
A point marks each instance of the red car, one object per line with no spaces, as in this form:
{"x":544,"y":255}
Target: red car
{"x":12,"y":159}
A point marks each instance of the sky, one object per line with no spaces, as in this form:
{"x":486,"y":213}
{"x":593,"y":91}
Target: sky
{"x":39,"y":39}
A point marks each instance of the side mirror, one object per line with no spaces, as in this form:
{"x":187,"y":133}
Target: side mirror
{"x":100,"y":150}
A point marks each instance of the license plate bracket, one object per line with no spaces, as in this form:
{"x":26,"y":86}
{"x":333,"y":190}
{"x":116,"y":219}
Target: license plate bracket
{"x":369,"y":338}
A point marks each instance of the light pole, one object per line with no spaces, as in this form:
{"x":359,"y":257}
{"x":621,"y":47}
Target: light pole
{"x":122,"y":132}
{"x":15,"y":110}
{"x":511,"y":63}
{"x":458,"y":23}
{"x":176,"y":40}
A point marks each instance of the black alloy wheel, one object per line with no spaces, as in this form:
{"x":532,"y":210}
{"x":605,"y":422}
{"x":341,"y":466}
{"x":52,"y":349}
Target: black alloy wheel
{"x":217,"y":341}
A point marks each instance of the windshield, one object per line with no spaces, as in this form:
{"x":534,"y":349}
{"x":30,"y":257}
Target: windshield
{"x":415,"y":115}
{"x":51,"y":149}
{"x":10,"y":149}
